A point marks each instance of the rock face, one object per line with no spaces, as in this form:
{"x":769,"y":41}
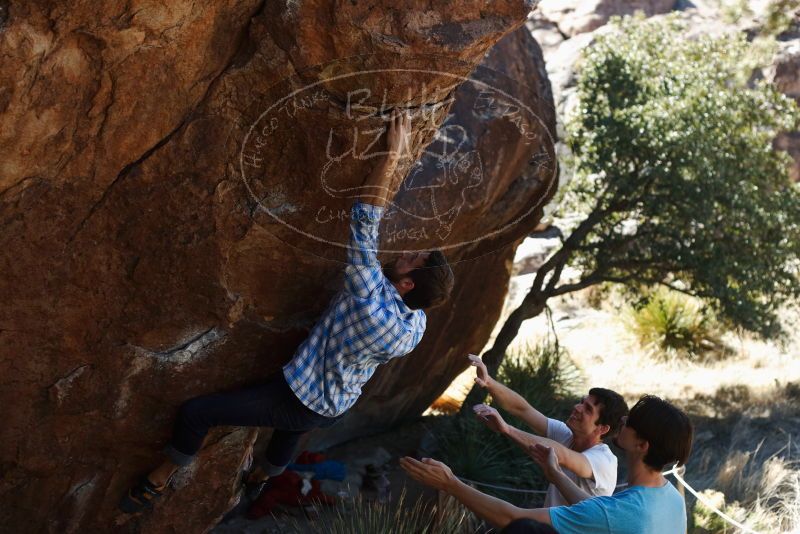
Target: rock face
{"x":572,"y":17}
{"x":173,"y":179}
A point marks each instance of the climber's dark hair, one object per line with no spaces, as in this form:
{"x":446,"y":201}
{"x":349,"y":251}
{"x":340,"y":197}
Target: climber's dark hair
{"x":433,"y":283}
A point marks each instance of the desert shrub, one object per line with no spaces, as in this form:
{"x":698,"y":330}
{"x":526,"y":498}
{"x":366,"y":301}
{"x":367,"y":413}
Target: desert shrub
{"x":674,"y":324}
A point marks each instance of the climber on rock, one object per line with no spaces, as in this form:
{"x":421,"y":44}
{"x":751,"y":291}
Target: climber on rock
{"x":378,"y":315}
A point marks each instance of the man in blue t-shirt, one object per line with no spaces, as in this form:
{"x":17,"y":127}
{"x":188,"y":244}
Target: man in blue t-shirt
{"x":656,"y":434}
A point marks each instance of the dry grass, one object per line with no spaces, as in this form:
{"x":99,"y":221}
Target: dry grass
{"x":609,"y":355}
{"x":362,"y":515}
{"x":751,"y":468}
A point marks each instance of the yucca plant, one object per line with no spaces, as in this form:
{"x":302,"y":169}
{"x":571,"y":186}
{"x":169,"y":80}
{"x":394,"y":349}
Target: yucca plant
{"x":477,"y":454}
{"x":674,"y":324}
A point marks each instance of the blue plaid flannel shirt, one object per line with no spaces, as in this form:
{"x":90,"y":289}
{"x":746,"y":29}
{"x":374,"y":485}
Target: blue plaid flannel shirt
{"x":366,"y":324}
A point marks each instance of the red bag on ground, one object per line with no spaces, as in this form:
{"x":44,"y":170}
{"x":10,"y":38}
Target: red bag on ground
{"x":308,"y":458}
{"x":286,"y":489}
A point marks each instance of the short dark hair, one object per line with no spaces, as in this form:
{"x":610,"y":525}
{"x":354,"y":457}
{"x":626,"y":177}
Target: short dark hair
{"x":613,"y":409}
{"x":666,"y":428}
{"x":433,"y":283}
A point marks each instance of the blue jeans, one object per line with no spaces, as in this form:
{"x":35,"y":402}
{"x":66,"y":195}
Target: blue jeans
{"x":272,"y":404}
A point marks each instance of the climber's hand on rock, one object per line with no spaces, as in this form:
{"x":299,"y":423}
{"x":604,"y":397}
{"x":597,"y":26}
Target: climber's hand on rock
{"x":384,"y":181}
{"x":398,"y":136}
{"x":398,"y":146}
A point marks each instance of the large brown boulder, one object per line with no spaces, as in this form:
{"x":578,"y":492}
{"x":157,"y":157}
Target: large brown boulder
{"x":162,"y":236}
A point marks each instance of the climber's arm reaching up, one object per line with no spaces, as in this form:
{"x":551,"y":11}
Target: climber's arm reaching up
{"x":364,"y":273}
{"x":383,"y":182}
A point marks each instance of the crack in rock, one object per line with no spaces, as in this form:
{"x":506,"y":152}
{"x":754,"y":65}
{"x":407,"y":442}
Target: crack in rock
{"x":189,"y":349}
{"x":59,"y":390}
{"x":78,"y":496}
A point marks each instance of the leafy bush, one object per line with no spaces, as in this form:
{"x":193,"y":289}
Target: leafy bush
{"x":674,"y":325}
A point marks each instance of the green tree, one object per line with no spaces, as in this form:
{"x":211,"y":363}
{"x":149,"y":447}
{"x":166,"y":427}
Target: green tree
{"x":677,"y":178}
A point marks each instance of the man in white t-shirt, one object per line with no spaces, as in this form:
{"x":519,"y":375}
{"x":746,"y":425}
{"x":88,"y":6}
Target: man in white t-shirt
{"x":578,"y":442}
